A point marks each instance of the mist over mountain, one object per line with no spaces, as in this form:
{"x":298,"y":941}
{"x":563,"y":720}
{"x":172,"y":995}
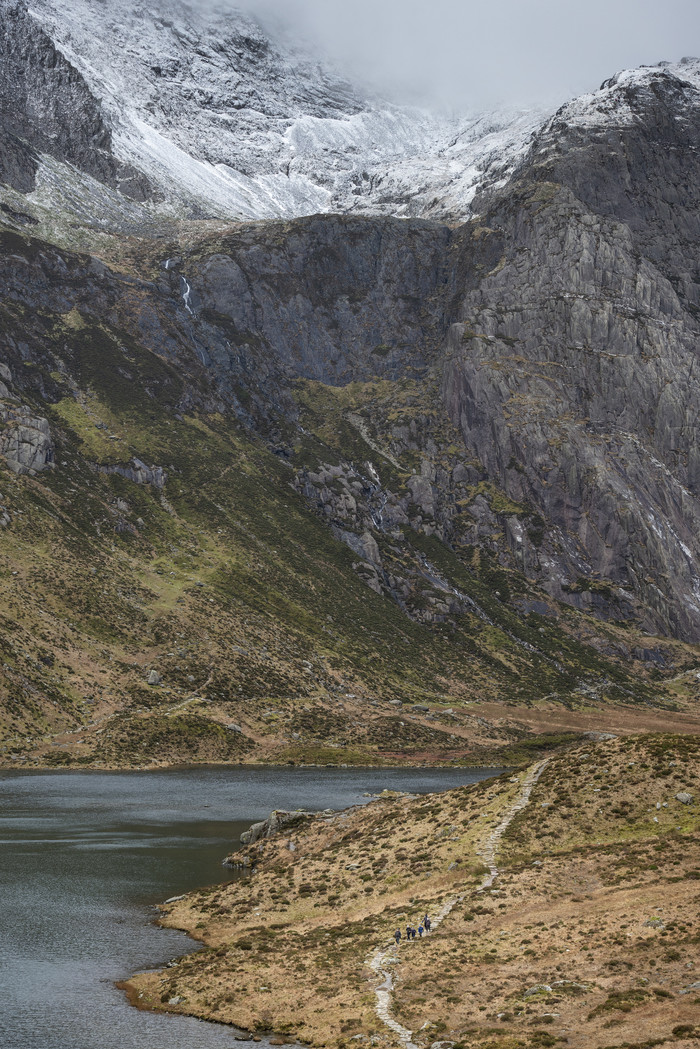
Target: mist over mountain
{"x":226,"y":122}
{"x":470,"y":55}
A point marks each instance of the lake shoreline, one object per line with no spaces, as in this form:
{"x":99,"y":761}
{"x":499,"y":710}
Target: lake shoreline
{"x":90,"y":852}
{"x":507,"y":862}
{"x":203,"y":766}
{"x":145,"y":989}
{"x":182,"y":916}
{"x":135,"y":1001}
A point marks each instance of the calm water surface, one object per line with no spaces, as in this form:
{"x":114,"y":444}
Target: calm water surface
{"x":85,"y":856}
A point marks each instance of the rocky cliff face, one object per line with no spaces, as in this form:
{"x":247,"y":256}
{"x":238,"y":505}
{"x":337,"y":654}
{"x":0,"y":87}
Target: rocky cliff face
{"x":47,"y":108}
{"x":561,"y":324}
{"x":577,"y":437}
{"x":334,"y":299}
{"x":571,"y":372}
{"x":487,"y":428}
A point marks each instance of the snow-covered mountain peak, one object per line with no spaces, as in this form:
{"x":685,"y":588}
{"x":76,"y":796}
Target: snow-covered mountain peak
{"x":226,"y":122}
{"x":617,"y":101}
{"x":199,"y":102}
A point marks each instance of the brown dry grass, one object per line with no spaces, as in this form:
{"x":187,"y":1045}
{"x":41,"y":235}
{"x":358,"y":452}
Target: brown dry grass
{"x":584,"y":869}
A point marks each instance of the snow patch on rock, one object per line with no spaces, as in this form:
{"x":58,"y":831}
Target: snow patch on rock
{"x":229,"y":124}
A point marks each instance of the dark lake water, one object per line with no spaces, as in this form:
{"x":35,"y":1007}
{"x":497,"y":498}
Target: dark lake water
{"x":85,"y":856}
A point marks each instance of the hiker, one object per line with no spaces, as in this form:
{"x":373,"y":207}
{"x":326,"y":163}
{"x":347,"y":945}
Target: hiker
{"x":426,"y":923}
{"x":420,"y":931}
{"x":408,"y":932}
{"x":397,"y":936}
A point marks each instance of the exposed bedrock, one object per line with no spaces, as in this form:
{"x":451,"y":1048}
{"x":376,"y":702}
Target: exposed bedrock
{"x":25,"y":440}
{"x":335,"y":299}
{"x":631,"y":154}
{"x":571,"y":374}
{"x":47,"y":108}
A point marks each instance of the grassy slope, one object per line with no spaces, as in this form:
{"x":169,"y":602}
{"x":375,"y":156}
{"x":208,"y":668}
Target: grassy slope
{"x":596,"y":902}
{"x":237,"y":593}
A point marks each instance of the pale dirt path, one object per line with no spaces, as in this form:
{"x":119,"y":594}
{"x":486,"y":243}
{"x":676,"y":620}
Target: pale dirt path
{"x":487,"y":851}
{"x":384,"y":957}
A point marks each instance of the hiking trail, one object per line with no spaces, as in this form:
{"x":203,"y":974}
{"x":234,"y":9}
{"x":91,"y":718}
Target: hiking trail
{"x":384,"y":957}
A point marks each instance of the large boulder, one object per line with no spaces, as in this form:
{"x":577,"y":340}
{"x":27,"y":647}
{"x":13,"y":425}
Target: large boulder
{"x":275,"y":822}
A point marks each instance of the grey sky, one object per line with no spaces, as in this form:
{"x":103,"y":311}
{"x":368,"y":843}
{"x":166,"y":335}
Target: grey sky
{"x":464,"y":52}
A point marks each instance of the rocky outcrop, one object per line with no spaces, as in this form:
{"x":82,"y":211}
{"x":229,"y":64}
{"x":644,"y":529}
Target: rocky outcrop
{"x":47,"y":108}
{"x":137,"y":472}
{"x":25,"y":439}
{"x":18,"y":162}
{"x":277,"y":820}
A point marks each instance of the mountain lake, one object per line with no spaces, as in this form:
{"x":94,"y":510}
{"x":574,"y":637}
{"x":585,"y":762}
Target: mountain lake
{"x":87,"y":855}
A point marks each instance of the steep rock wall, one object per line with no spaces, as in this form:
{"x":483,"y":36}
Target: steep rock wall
{"x":572,"y":370}
{"x":47,"y":108}
{"x":334,"y":299}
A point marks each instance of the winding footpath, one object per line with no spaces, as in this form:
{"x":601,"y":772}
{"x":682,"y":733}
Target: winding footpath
{"x":384,"y":957}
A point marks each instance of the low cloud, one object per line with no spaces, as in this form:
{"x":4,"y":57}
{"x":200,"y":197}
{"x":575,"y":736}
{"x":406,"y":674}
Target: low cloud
{"x":465,"y":54}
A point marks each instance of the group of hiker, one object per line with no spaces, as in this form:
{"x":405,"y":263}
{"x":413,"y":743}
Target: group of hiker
{"x":412,"y":932}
